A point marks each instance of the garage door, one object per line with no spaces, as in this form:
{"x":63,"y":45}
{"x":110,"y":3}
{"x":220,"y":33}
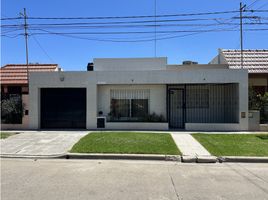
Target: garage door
{"x":63,"y":108}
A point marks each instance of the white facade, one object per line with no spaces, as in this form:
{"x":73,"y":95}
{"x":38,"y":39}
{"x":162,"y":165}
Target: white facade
{"x":129,"y":64}
{"x":104,"y":78}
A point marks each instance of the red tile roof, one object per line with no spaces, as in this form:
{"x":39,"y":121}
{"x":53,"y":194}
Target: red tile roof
{"x":17,"y":73}
{"x":256,"y":61}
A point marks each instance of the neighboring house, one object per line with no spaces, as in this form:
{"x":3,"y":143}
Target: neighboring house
{"x":255,"y":60}
{"x":140,"y":93}
{"x":14,"y":84}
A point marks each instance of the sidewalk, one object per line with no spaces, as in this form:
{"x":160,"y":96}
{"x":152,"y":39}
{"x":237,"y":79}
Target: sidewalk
{"x":191,"y":149}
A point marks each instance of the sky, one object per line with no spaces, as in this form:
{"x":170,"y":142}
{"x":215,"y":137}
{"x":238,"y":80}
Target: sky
{"x":73,"y":53}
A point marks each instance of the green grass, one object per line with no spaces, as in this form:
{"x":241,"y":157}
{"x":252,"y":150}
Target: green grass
{"x":126,"y":142}
{"x":4,"y":135}
{"x":234,"y":144}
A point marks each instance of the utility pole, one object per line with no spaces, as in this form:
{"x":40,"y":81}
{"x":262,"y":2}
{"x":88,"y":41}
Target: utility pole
{"x":26,"y":41}
{"x":241,"y":33}
{"x":154,"y":28}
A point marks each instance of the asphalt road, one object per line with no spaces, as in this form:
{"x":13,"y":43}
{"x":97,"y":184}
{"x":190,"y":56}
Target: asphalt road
{"x":103,"y":179}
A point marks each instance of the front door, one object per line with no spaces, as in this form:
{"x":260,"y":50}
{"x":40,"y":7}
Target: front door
{"x":176,"y":111}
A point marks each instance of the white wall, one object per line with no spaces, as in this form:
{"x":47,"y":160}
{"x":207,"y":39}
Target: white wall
{"x":129,"y":64}
{"x":157,"y":100}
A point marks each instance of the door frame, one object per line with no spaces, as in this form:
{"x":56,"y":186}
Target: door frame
{"x":169,"y":88}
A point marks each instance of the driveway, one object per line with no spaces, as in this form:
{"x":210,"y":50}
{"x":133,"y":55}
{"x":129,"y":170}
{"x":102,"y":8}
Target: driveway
{"x":40,"y":143}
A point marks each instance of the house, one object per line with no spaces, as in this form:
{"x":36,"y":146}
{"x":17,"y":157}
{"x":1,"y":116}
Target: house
{"x":14,"y":84}
{"x":255,"y":60}
{"x":140,"y":93}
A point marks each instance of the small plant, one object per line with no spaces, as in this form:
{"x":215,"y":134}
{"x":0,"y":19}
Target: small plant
{"x":155,"y":118}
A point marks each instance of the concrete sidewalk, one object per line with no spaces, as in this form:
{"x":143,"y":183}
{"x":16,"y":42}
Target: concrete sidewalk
{"x":188,"y":145}
{"x":191,"y":149}
{"x":40,"y":143}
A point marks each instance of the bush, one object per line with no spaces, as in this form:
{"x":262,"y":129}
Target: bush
{"x":259,"y":102}
{"x":154,"y":118}
{"x":12,"y":110}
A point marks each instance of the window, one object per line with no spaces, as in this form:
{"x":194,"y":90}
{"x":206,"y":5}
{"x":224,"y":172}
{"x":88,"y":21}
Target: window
{"x":129,"y":105}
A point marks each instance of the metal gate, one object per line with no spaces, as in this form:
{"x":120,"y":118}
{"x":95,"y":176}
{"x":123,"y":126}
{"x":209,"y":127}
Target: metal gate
{"x":176,"y":108}
{"x":63,"y":108}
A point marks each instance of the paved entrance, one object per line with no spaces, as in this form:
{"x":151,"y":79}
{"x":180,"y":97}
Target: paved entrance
{"x":188,"y":145}
{"x":40,"y":143}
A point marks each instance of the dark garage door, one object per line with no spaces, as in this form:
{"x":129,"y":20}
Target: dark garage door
{"x":63,"y":108}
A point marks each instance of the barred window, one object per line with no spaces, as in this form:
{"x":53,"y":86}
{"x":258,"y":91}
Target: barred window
{"x":129,"y":105}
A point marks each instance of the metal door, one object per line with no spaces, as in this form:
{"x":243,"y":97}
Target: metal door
{"x":63,"y":107}
{"x":176,"y":108}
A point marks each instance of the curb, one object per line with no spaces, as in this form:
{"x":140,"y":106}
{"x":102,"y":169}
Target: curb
{"x":123,"y":156}
{"x":206,"y":159}
{"x":199,"y":159}
{"x":177,"y":158}
{"x":53,"y":156}
{"x":188,"y":159}
{"x":243,"y":159}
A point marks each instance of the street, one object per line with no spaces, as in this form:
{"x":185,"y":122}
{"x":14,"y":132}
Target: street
{"x":28,"y":179}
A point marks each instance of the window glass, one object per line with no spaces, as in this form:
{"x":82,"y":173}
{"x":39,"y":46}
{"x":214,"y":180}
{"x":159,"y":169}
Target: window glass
{"x":120,"y":109}
{"x":139,"y":108}
{"x":129,"y":105}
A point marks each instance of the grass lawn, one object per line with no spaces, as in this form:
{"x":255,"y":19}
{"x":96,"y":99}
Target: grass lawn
{"x":126,"y":142}
{"x":234,"y":144}
{"x":4,"y":135}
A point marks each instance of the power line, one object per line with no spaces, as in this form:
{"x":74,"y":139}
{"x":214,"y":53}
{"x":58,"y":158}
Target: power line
{"x":131,"y":41}
{"x":127,"y":22}
{"x":254,"y":2}
{"x":11,"y":18}
{"x":139,"y":16}
{"x":31,"y":26}
{"x":74,"y":35}
{"x":136,"y":32}
{"x":126,"y":17}
{"x":40,"y":46}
